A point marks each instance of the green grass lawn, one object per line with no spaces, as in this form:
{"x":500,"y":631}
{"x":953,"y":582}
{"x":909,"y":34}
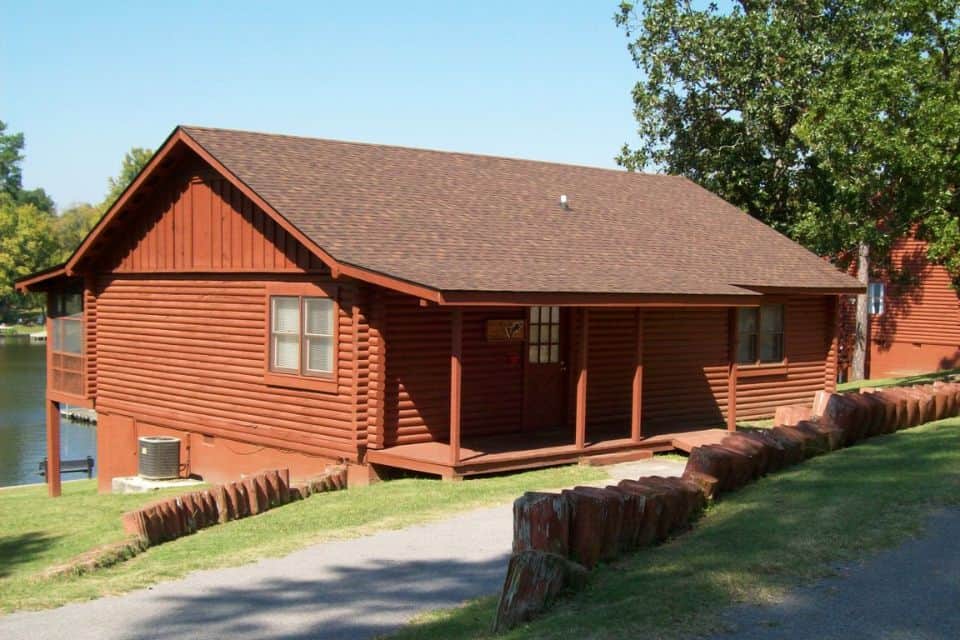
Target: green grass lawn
{"x":37,"y":532}
{"x":921,"y":378}
{"x":751,"y":546}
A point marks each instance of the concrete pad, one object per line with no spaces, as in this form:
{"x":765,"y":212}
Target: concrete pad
{"x":136,"y":484}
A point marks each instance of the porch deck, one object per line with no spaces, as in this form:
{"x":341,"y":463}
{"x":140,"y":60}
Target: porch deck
{"x":530,"y":450}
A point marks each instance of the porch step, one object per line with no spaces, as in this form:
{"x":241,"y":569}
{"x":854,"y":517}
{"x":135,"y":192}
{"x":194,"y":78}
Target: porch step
{"x":617,"y":458}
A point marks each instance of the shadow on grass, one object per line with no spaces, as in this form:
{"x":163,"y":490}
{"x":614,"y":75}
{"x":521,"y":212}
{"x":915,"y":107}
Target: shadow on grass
{"x":22,"y":549}
{"x":753,"y":545}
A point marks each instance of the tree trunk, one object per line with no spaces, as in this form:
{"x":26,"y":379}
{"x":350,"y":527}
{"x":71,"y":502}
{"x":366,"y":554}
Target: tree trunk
{"x":859,"y":367}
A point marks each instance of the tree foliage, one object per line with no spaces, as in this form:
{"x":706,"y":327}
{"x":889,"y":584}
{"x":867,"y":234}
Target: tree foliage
{"x":27,"y":244}
{"x":134,"y":160}
{"x":11,"y":174}
{"x":836,"y":122}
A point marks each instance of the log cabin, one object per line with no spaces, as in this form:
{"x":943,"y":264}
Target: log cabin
{"x":283,"y":301}
{"x":914,"y":315}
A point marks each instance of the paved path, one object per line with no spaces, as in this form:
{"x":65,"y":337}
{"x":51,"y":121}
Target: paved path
{"x":912,"y":591}
{"x":356,"y":588}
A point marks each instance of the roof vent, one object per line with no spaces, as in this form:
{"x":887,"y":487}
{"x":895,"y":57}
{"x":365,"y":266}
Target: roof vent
{"x":564,"y":203}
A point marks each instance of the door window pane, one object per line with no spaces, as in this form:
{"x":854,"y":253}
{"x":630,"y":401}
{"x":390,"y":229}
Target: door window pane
{"x":534,"y":334}
{"x":543,"y":335}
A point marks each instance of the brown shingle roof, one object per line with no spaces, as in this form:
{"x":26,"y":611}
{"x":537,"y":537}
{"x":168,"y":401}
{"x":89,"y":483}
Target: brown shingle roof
{"x":459,"y":222}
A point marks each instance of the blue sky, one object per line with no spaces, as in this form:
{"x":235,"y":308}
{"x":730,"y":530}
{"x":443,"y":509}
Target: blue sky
{"x":85,"y":81}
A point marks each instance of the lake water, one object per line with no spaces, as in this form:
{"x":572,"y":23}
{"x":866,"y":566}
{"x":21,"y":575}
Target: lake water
{"x":23,"y":436}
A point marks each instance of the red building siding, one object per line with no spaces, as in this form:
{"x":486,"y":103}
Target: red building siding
{"x":807,"y":343}
{"x":190,"y":354}
{"x":685,"y":369}
{"x":920,"y":328}
{"x":612,"y":343}
{"x":417,"y":403}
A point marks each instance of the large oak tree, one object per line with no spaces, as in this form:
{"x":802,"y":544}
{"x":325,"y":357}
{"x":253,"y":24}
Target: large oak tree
{"x":836,"y":122}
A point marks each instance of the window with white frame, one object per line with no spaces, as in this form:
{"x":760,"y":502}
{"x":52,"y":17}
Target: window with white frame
{"x":302,"y":335}
{"x":875,"y":295}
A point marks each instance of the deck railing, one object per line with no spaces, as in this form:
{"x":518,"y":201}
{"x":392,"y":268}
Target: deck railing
{"x":67,"y":356}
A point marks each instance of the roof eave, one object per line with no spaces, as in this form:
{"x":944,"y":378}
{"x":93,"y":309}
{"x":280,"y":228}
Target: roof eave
{"x":595,"y":299}
{"x":40,"y":280}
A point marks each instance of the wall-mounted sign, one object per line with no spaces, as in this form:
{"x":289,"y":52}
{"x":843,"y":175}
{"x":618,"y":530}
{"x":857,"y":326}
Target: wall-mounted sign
{"x":506,"y":330}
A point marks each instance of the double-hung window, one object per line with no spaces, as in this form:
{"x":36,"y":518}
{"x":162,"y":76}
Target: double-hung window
{"x":760,"y":334}
{"x":302,"y":337}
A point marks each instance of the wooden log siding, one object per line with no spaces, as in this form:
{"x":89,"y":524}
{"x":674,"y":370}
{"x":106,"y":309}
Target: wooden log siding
{"x":610,"y":361}
{"x":189,"y":354}
{"x":207,"y":224}
{"x":378,"y":373}
{"x":362,"y":369}
{"x":685,"y":369}
{"x":807,"y":344}
{"x":925,"y":311}
{"x":417,"y":394}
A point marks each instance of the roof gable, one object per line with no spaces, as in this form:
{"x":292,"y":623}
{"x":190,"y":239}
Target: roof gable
{"x":452,"y":227}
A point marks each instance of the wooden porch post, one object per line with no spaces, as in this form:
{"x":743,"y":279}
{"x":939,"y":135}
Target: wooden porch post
{"x":581,"y":415}
{"x":456,"y":354}
{"x":53,"y":448}
{"x":733,"y":342}
{"x":635,"y":409}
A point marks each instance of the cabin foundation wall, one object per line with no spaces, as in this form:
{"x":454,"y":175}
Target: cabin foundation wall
{"x":910,"y":358}
{"x":214,"y":459}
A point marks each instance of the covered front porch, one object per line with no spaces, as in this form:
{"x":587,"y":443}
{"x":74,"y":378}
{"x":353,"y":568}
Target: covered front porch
{"x":582,"y":401}
{"x":485,"y":455}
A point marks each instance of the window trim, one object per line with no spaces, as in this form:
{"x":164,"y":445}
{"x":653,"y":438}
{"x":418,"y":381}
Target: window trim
{"x":759,"y":368}
{"x":327,"y":383}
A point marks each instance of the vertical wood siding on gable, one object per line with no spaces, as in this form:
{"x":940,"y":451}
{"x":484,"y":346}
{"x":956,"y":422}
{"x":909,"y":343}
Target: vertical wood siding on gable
{"x":198,"y":225}
{"x":190,"y":353}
